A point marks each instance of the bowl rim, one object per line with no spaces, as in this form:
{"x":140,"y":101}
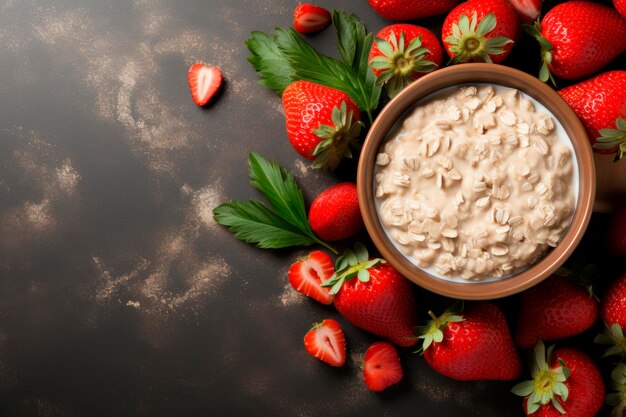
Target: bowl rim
{"x":463,"y":74}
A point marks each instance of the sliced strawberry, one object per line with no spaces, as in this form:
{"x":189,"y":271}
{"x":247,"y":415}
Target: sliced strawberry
{"x":527,"y":10}
{"x":381,"y":368}
{"x":326,"y":342}
{"x":307,"y":274}
{"x":204,"y":81}
{"x":309,"y":18}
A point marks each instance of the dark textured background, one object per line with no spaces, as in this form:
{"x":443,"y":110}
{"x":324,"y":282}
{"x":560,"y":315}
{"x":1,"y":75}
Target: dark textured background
{"x":119,"y":295}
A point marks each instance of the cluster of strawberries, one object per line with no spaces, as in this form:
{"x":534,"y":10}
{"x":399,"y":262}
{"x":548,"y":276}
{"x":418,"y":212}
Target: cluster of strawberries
{"x":577,"y":40}
{"x":475,"y":343}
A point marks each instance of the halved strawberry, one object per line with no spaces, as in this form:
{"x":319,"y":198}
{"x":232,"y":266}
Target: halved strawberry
{"x":326,"y":342}
{"x":309,"y":18}
{"x":204,"y":81}
{"x":381,"y":367}
{"x":307,"y":274}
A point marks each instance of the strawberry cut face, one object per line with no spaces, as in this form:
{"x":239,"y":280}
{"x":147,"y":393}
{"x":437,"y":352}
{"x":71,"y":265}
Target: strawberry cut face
{"x":307,"y":274}
{"x":381,"y":367}
{"x":309,"y":18}
{"x":204,"y":81}
{"x":327,"y":342}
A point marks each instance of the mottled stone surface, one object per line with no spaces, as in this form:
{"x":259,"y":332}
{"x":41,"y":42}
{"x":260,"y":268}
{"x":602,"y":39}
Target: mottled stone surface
{"x":119,"y":295}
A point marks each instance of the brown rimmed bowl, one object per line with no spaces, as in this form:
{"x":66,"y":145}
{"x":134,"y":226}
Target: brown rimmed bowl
{"x":397,"y":110}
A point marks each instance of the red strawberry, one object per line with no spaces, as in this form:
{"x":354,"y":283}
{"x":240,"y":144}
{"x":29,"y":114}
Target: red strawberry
{"x":204,"y":81}
{"x":474,"y":346}
{"x":600,"y":102}
{"x":335,"y":214}
{"x":578,"y":38}
{"x":613,"y":313}
{"x":326,"y":342}
{"x":620,"y":5}
{"x":527,"y":10}
{"x":373,"y":296}
{"x":403,"y":53}
{"x":307,"y":274}
{"x":322,"y":123}
{"x":480,"y":31}
{"x":381,"y":367}
{"x":617,"y":399}
{"x":555,"y":309}
{"x":309,"y":18}
{"x":565,"y":381}
{"x":613,"y":305}
{"x":411,"y":9}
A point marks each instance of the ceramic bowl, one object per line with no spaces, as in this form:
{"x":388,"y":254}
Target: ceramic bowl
{"x":397,"y":110}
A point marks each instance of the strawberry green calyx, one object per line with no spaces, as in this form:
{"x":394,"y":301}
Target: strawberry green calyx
{"x":469,"y":42}
{"x":534,"y":30}
{"x":432,"y":331}
{"x":613,"y":336}
{"x":613,"y":138}
{"x":618,"y":383}
{"x":353,"y":263}
{"x":399,"y":62}
{"x":547,"y":385}
{"x":337,"y":139}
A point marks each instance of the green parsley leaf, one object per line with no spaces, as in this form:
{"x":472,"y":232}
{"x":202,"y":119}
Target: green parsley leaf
{"x":281,"y":225}
{"x":286,"y":57}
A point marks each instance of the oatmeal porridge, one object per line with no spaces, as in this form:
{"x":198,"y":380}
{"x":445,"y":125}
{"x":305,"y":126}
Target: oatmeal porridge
{"x":477,"y":182}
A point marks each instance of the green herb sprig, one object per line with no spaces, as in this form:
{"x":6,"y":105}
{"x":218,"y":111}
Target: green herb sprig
{"x":285,"y":57}
{"x":283,"y":224}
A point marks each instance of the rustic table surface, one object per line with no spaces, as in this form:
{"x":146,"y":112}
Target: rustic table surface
{"x":119,"y":295}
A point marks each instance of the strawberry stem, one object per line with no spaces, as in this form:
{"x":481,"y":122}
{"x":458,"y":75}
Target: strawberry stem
{"x":613,"y":139}
{"x":353,"y":263}
{"x":534,"y":30}
{"x":547,"y":383}
{"x":432,"y":331}
{"x":326,"y":245}
{"x":469,"y":41}
{"x":399,"y":62}
{"x":617,"y":399}
{"x":613,"y":336}
{"x":337,"y":139}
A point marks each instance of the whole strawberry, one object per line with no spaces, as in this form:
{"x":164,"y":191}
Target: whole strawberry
{"x":335,"y":213}
{"x":613,"y":313}
{"x":480,"y":31}
{"x":322,"y":123}
{"x":578,"y":38}
{"x":411,"y":9}
{"x":527,"y":10}
{"x":555,"y":309}
{"x":565,"y":381}
{"x":474,"y":346}
{"x":403,"y":53}
{"x":600,"y":103}
{"x":373,"y":296}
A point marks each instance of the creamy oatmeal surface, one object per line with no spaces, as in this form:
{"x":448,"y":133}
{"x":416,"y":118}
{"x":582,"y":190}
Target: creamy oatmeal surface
{"x":476,"y":183}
